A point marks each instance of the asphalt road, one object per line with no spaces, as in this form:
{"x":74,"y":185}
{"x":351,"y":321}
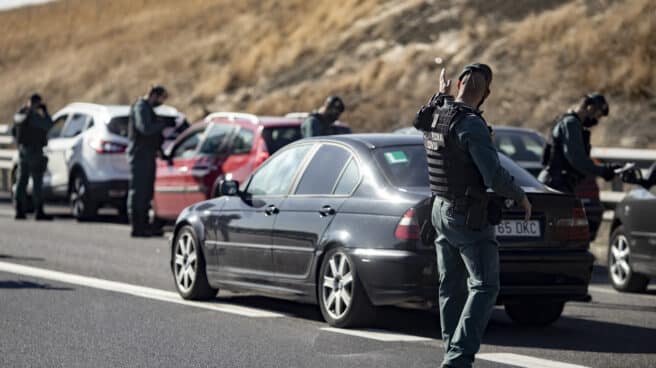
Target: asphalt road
{"x":82,"y":295}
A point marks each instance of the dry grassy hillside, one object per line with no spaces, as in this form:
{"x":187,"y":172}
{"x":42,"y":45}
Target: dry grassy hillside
{"x":278,"y":56}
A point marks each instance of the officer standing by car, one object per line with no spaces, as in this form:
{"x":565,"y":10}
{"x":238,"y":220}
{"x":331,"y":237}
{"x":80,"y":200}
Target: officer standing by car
{"x":30,"y":130}
{"x":322,"y":122}
{"x":462,"y":164}
{"x":145,"y":134}
{"x":567,"y":156}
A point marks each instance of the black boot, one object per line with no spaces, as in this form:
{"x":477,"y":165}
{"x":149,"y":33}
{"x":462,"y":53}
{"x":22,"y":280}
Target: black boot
{"x":41,"y":216}
{"x":20,"y":213}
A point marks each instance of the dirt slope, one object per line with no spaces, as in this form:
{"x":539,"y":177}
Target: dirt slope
{"x":278,"y":56}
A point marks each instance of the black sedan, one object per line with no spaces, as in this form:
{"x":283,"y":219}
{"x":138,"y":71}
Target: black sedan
{"x":525,"y":147}
{"x":632,"y":248}
{"x":336,"y":221}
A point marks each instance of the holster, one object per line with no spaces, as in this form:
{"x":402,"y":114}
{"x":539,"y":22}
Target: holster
{"x":476,"y":215}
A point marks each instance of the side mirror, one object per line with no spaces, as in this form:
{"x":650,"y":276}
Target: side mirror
{"x":229,"y":187}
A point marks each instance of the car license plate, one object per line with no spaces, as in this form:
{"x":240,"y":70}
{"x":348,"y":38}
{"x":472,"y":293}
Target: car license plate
{"x":518,"y":228}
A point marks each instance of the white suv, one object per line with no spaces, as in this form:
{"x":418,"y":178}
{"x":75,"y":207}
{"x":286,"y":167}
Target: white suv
{"x":87,"y":160}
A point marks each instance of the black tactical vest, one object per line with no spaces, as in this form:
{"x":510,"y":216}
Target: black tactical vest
{"x":28,"y":135}
{"x":557,"y":164}
{"x":451,"y":169}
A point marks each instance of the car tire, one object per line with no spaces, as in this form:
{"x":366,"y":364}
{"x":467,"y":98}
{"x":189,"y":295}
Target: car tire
{"x":535,"y":314}
{"x":620,"y":273}
{"x":82,"y":205}
{"x":188,"y":267}
{"x":342,"y":298}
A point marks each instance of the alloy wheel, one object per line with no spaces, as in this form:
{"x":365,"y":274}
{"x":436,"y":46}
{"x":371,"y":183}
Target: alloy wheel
{"x":337,"y":286}
{"x":186,"y":263}
{"x":619,"y":259}
{"x":79,"y":190}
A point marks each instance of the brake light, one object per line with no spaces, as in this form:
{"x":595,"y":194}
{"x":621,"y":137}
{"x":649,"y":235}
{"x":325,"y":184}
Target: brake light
{"x":408,"y":227}
{"x":103,"y":147}
{"x":575,"y":227}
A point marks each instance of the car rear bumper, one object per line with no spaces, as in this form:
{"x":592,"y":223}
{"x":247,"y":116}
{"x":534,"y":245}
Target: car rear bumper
{"x":113,"y":191}
{"x":395,"y":277}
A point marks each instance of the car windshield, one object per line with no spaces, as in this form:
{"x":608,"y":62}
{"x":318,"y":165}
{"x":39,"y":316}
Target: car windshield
{"x":406,"y":167}
{"x":278,"y":137}
{"x":119,"y":125}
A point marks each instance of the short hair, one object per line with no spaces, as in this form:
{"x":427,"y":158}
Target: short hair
{"x":35,"y":98}
{"x":157,"y":90}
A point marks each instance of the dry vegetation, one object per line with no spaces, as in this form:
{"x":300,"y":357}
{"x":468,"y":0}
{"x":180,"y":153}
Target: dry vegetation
{"x":278,"y":56}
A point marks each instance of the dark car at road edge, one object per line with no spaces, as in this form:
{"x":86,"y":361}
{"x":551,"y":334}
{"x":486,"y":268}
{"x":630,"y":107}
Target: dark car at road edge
{"x":336,"y":221}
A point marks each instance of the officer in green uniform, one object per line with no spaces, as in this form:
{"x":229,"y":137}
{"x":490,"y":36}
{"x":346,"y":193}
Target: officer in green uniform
{"x":30,"y":129}
{"x":145,"y":133}
{"x":567,"y":156}
{"x":322,"y":122}
{"x":463,"y":163}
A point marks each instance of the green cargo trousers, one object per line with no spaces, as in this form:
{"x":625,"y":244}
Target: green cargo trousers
{"x":31,"y":163}
{"x":468,"y":266}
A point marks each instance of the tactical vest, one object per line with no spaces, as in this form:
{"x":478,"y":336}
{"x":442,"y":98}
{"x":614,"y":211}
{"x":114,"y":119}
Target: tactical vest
{"x":28,"y":135}
{"x":139,"y":142}
{"x":556,"y":163}
{"x":451,"y":170}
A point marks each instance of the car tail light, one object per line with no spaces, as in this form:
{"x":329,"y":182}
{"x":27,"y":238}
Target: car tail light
{"x":408,"y":227}
{"x":103,"y":147}
{"x":575,"y":227}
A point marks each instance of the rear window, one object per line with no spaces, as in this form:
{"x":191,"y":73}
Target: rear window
{"x":520,"y":146}
{"x":278,"y":137}
{"x":406,"y":167}
{"x":119,"y":124}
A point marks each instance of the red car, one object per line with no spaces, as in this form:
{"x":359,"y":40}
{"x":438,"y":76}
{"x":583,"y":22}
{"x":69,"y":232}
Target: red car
{"x":222,"y":145}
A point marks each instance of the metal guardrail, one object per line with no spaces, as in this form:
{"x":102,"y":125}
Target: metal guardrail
{"x":7,"y":152}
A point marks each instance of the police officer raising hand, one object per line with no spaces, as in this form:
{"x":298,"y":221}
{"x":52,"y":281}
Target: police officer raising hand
{"x":462,"y":164}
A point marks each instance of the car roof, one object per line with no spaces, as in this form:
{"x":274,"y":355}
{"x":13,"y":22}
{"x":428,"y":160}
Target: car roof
{"x":514,"y":129}
{"x":116,"y":110}
{"x":265,"y":121}
{"x":375,"y":140}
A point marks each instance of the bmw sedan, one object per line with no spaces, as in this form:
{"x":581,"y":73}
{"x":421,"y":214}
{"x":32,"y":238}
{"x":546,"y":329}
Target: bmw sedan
{"x":337,"y":221}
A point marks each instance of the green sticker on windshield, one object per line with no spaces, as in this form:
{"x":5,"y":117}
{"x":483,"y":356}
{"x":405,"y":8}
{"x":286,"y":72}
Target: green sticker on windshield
{"x":396,"y":157}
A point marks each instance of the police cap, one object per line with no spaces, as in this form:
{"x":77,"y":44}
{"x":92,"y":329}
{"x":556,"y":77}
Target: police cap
{"x":335,"y":103}
{"x":36,"y":98}
{"x":597,"y":100}
{"x":479,"y":67}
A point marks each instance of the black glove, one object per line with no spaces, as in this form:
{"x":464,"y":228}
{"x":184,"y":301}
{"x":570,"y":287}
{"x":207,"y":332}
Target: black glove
{"x":609,"y":171}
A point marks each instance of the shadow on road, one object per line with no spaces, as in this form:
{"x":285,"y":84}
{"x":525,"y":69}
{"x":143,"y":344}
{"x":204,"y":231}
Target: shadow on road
{"x":14,"y":284}
{"x":574,"y":334}
{"x":20,"y":258}
{"x":569,"y":333}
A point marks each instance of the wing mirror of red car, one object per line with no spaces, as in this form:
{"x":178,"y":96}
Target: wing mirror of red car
{"x":229,"y":187}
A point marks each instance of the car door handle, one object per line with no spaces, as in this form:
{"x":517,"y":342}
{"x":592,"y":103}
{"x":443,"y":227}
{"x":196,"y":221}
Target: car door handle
{"x":271,"y":210}
{"x":326,"y":211}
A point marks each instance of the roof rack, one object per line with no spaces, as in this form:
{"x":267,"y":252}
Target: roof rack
{"x":233,"y":116}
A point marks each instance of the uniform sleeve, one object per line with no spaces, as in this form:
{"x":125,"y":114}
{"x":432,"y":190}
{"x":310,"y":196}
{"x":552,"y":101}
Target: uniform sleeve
{"x":474,"y":136}
{"x":310,"y":127}
{"x":144,"y":122}
{"x":574,"y":149}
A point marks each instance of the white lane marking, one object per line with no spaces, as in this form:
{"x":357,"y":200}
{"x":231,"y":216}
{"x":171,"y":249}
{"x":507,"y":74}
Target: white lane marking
{"x":377,"y":335}
{"x":525,"y":361}
{"x":136,"y":290}
{"x":607,"y":290}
